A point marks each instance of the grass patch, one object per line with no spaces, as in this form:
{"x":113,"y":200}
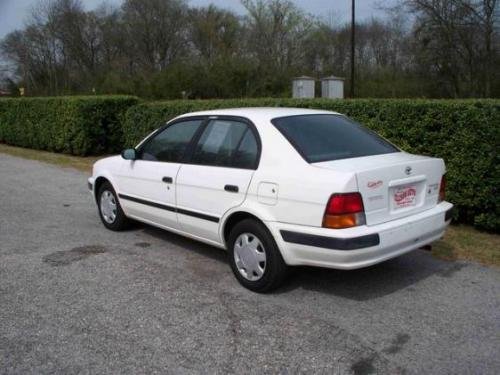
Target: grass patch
{"x":83,"y":164}
{"x":462,"y":242}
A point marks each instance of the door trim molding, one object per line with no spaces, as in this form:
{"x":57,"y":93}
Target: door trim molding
{"x":181,"y":211}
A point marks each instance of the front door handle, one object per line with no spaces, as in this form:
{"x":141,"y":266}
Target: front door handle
{"x":231,"y":188}
{"x":167,"y":180}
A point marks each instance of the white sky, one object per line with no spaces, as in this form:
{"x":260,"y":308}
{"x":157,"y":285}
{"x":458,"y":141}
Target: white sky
{"x":14,"y":12}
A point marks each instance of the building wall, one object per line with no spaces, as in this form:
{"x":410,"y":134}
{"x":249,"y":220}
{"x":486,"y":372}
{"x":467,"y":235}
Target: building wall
{"x":303,"y":88}
{"x":333,"y":89}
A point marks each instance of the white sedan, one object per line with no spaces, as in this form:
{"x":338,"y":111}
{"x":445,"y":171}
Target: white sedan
{"x":277,"y":187}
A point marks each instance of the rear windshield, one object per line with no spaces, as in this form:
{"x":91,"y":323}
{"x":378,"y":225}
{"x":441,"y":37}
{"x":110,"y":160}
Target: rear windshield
{"x":331,"y":137}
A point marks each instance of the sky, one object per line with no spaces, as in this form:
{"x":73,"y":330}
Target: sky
{"x":13,"y":13}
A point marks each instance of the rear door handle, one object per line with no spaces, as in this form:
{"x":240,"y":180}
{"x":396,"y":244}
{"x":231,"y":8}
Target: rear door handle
{"x":231,"y":188}
{"x":167,"y":180}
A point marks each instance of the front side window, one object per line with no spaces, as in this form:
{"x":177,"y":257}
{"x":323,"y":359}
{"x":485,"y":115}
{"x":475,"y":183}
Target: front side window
{"x":331,"y":137}
{"x":226,"y":143}
{"x":170,"y":144}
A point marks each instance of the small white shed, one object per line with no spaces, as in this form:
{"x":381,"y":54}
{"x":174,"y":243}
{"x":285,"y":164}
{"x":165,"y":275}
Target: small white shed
{"x":332,"y":87}
{"x":303,"y":87}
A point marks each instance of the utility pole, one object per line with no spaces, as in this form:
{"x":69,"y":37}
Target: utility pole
{"x":353,"y":28}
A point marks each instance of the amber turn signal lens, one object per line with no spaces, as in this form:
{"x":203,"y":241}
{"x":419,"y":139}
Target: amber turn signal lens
{"x":344,"y":221}
{"x":339,"y":221}
{"x":344,"y":211}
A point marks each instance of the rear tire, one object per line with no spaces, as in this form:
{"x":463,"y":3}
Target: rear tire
{"x":110,"y":211}
{"x":255,"y":258}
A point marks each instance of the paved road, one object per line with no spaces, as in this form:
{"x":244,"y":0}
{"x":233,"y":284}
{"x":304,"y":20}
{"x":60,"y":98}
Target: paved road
{"x":75,"y":297}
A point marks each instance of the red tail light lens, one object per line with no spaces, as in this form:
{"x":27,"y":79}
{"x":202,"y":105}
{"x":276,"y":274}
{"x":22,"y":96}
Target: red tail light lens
{"x":344,"y":211}
{"x":348,"y":203}
{"x":442,"y":189}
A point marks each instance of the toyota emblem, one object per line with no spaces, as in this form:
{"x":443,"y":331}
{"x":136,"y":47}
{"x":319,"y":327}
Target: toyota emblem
{"x":408,"y":170}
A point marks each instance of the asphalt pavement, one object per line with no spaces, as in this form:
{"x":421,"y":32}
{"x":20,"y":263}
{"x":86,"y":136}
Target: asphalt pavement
{"x":77,"y":298}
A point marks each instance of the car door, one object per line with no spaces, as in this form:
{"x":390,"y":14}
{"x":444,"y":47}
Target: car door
{"x":217,"y":176}
{"x":147,"y":184}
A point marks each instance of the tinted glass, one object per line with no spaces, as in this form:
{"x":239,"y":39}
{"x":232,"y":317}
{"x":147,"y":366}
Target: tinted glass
{"x":219,"y":142}
{"x":247,"y":152}
{"x":170,"y":144}
{"x":331,"y":137}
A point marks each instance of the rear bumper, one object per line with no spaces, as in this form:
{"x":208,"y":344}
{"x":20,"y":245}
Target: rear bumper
{"x":360,"y":246}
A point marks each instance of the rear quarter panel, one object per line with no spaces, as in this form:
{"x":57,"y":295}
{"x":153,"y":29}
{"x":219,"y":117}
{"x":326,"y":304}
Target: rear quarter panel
{"x":303,"y":190}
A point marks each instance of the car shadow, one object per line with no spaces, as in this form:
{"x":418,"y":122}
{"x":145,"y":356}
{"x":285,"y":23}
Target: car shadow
{"x":192,"y":245}
{"x":362,"y":284}
{"x":372,"y":282}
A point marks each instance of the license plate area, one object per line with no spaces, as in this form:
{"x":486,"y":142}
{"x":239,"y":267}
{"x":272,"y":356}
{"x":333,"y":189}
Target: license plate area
{"x":405,"y":197}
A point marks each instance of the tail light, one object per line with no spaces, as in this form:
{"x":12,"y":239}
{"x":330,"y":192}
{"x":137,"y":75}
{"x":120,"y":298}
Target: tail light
{"x":442,"y":189}
{"x":344,"y":211}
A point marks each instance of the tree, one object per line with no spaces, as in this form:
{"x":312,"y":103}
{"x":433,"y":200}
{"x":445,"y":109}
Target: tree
{"x":277,"y":30}
{"x":156,"y":31}
{"x":166,"y":49}
{"x":454,"y":43}
{"x":214,"y":33}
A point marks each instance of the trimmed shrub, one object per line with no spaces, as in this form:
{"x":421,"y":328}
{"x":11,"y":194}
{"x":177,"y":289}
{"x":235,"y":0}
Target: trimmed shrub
{"x":72,"y":125}
{"x":465,"y":133}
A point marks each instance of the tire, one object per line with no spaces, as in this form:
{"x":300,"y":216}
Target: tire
{"x":255,"y":258}
{"x":112,"y":218}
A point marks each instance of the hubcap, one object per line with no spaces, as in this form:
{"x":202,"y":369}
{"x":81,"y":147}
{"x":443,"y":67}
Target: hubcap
{"x":108,"y":206}
{"x":250,"y":256}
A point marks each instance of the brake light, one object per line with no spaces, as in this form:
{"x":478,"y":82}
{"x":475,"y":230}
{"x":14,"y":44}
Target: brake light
{"x":442,"y":189}
{"x":344,"y":211}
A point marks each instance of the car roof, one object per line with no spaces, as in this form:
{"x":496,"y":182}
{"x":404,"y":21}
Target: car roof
{"x":259,"y":113}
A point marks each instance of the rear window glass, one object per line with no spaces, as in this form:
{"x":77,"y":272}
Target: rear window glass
{"x":331,"y":137}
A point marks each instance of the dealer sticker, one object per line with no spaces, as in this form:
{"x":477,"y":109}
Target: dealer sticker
{"x":405,"y":196}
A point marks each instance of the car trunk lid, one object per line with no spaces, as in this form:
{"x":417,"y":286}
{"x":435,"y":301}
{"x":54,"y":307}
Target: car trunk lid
{"x":393,"y":185}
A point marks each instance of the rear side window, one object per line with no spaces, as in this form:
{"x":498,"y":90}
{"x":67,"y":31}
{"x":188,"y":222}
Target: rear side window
{"x":226,"y":143}
{"x":331,"y":137}
{"x":247,"y":152}
{"x":170,"y":144}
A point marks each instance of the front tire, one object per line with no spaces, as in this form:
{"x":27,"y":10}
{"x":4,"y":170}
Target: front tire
{"x":254,"y":257}
{"x":110,"y":211}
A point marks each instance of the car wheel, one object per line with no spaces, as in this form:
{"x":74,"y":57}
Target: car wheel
{"x":110,"y":211}
{"x":255,"y":258}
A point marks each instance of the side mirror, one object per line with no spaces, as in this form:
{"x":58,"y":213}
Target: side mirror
{"x":129,"y":154}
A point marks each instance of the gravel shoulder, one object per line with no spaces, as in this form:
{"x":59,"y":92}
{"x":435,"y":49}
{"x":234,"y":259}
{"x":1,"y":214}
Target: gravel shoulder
{"x":75,"y":297}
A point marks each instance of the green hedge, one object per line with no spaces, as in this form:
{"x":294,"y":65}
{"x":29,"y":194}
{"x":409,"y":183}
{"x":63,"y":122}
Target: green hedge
{"x":72,"y":125}
{"x":465,"y":133}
